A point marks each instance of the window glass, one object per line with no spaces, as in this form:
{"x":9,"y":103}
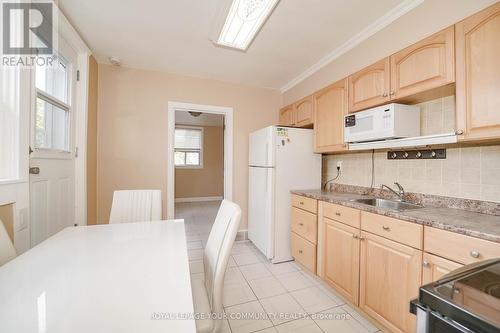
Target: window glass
{"x":51,"y":126}
{"x":9,"y":124}
{"x":53,"y":80}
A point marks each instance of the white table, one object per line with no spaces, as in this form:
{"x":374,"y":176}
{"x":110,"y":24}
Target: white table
{"x":106,"y":278}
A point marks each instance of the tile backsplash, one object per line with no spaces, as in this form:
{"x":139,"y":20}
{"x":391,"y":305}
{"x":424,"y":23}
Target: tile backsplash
{"x":469,"y":172}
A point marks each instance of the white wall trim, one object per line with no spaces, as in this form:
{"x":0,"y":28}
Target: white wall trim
{"x":71,"y":36}
{"x":199,"y":199}
{"x":228,"y":148}
{"x":391,"y":16}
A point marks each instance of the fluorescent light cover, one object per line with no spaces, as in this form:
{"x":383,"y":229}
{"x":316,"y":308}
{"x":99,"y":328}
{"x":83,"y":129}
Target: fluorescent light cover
{"x":244,"y":20}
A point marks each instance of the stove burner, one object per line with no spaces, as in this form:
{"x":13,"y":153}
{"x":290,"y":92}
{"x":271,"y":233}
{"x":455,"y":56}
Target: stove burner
{"x":493,"y":289}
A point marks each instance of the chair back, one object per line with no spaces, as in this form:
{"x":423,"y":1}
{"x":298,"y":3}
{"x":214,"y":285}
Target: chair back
{"x":7,"y":250}
{"x":217,"y":252}
{"x":135,"y":206}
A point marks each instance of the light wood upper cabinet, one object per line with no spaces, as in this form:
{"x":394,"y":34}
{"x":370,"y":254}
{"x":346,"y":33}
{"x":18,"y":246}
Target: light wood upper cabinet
{"x":478,"y":75}
{"x":390,"y":275}
{"x":425,"y":65}
{"x":370,"y":86}
{"x":434,"y":268}
{"x":341,"y":258}
{"x":330,"y":106}
{"x":287,"y":116}
{"x":304,"y":112}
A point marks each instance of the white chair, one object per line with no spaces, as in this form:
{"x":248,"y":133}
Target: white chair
{"x":7,"y":250}
{"x":135,"y":206}
{"x":207,"y":293}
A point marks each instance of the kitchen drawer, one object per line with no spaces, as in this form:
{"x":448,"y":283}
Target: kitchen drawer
{"x":304,"y":252}
{"x":305,"y":224}
{"x":407,"y":233}
{"x":459,"y":248}
{"x":311,"y":205}
{"x":347,"y":215}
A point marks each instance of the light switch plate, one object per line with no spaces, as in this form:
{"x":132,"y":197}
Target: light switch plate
{"x":23,"y":219}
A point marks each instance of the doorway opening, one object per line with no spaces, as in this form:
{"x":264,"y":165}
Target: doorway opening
{"x":199,"y":164}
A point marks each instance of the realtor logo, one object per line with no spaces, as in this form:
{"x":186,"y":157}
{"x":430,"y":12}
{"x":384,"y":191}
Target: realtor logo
{"x":29,"y":33}
{"x":27,"y":28}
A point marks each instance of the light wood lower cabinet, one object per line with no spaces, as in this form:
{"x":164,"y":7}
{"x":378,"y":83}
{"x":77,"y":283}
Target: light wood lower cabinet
{"x":341,"y":258}
{"x":390,"y":275}
{"x":434,"y":268}
{"x":303,"y":251}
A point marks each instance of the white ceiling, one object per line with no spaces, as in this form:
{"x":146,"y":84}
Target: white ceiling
{"x":205,"y":119}
{"x":173,"y":35}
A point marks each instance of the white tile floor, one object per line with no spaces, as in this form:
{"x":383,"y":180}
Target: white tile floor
{"x":282,"y":297}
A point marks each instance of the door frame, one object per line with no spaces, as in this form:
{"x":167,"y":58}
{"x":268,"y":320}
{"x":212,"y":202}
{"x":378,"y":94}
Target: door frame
{"x":227,"y":112}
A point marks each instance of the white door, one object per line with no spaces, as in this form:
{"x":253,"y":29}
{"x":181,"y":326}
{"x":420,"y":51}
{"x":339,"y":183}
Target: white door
{"x":261,"y":209}
{"x":52,"y":164}
{"x":261,"y":147}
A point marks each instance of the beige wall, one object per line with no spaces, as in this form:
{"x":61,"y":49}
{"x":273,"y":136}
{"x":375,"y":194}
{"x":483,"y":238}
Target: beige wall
{"x":428,"y":18}
{"x":92,"y":143}
{"x":132,"y":133}
{"x":209,"y":180}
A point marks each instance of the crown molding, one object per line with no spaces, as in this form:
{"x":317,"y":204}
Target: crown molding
{"x":382,"y":22}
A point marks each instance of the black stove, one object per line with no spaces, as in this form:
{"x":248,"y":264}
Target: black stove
{"x":466,"y":300}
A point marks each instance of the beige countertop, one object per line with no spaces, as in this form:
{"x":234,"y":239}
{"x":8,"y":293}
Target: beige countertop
{"x":461,"y":221}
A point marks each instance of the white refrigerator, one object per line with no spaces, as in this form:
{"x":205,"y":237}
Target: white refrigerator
{"x":280,"y":159}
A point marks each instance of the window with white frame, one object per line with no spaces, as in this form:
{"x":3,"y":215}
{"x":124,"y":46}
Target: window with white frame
{"x":52,"y":108}
{"x":188,"y":147}
{"x":9,"y":124}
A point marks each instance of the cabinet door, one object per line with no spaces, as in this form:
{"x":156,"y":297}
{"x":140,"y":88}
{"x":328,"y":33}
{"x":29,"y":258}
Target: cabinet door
{"x":287,"y":116}
{"x":425,"y":65}
{"x":390,"y":275}
{"x":435,"y":267}
{"x":330,"y":107}
{"x":304,"y":112}
{"x":370,"y":86}
{"x":478,"y":75}
{"x":341,"y":259}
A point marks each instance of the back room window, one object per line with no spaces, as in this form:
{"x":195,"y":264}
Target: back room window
{"x":188,"y":147}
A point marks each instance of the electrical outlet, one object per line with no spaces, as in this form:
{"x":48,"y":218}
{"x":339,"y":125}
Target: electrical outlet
{"x":339,"y":165}
{"x":23,"y":219}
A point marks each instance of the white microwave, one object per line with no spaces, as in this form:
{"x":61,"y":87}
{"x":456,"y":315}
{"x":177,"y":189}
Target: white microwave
{"x":391,"y":121}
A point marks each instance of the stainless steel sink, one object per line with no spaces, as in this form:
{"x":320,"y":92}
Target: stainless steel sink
{"x":388,"y":204}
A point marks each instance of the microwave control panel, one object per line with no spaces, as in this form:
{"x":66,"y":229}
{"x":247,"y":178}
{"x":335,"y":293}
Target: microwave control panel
{"x":350,"y":121}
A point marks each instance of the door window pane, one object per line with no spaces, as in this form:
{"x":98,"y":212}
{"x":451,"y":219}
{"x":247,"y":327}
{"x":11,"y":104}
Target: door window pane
{"x":51,"y":126}
{"x":53,"y":80}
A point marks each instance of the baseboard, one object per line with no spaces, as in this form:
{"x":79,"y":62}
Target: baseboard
{"x":242,"y":235}
{"x":199,"y":199}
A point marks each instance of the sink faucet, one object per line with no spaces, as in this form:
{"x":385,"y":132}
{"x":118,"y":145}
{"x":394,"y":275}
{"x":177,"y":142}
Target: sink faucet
{"x":400,"y":193}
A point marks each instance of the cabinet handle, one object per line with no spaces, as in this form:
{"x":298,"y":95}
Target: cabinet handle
{"x":384,"y":94}
{"x":300,"y":251}
{"x":355,"y":236}
{"x":386,"y":228}
{"x":301,"y":203}
{"x":425,"y":263}
{"x":474,"y":254}
{"x":392,"y":93}
{"x":459,"y":132}
{"x":338,"y":214}
{"x":301,"y":224}
{"x":362,"y":238}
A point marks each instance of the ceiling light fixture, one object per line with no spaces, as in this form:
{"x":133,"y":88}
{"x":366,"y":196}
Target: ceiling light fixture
{"x":243,"y":21}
